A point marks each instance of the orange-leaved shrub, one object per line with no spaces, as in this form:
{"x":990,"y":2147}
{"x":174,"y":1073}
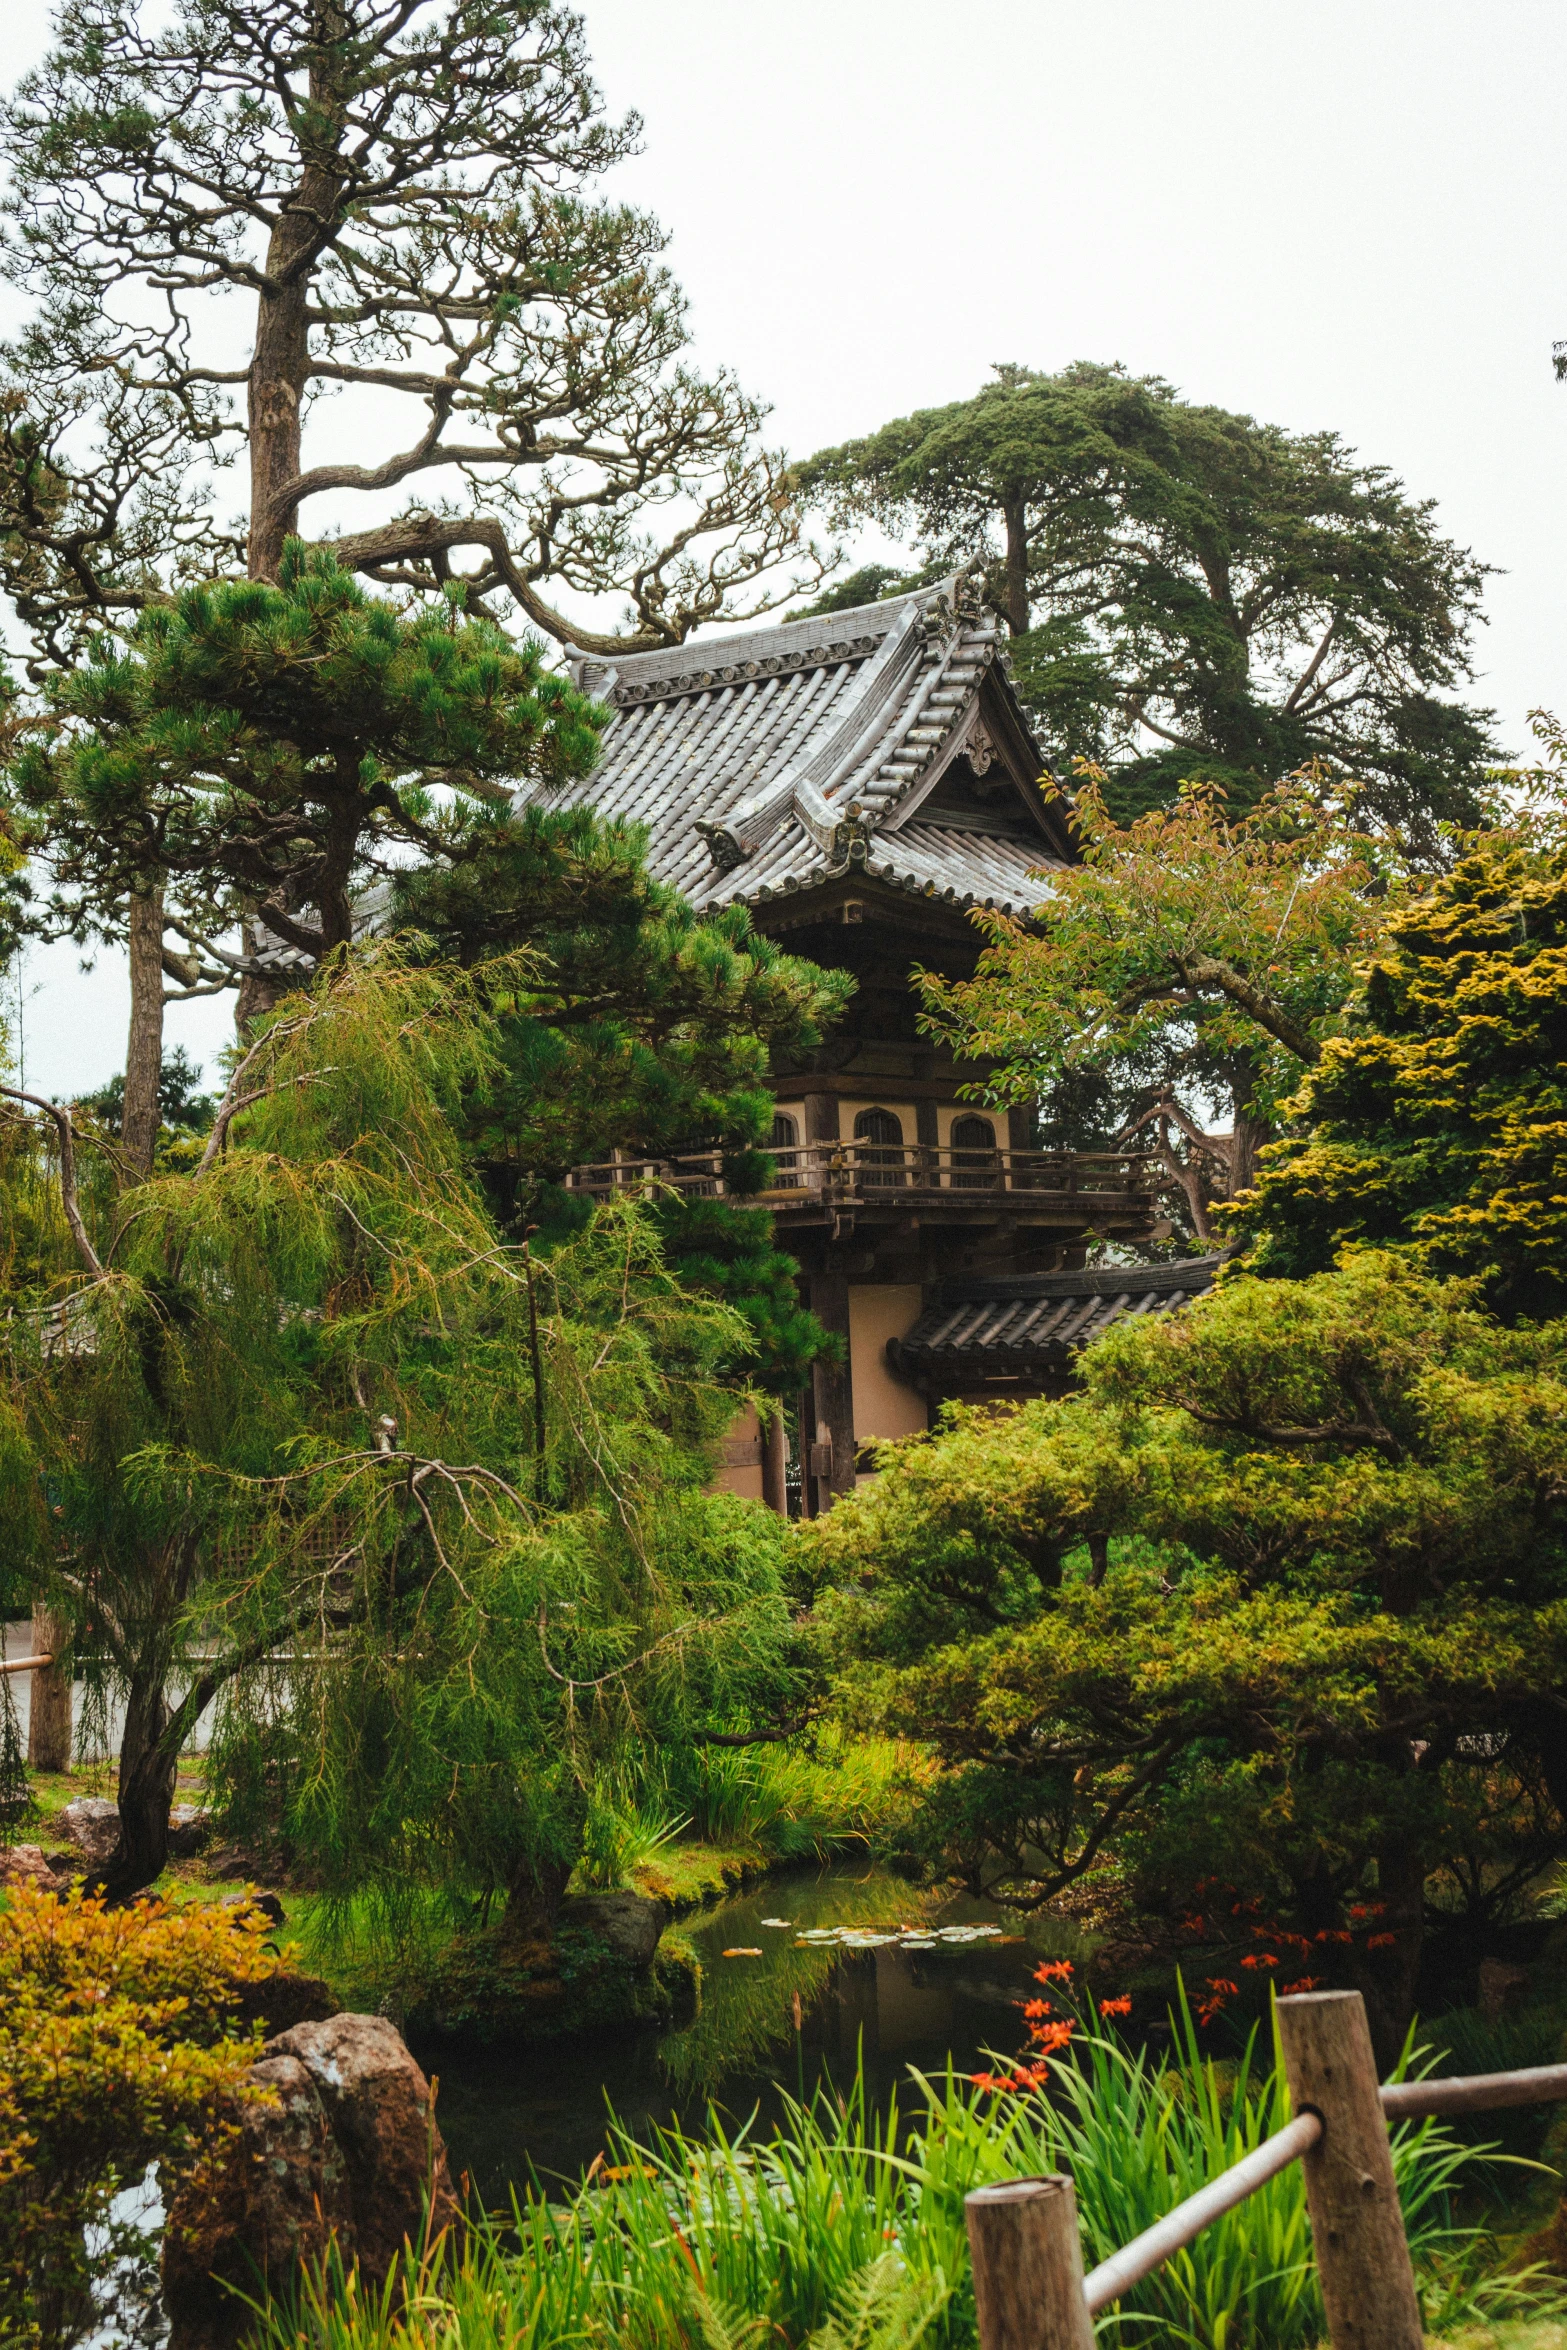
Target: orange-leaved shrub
{"x":118,"y":2049}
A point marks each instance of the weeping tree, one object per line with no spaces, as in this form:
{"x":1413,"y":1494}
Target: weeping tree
{"x":297,"y":1432}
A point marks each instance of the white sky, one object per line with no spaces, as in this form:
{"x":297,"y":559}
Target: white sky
{"x":1328,"y":214}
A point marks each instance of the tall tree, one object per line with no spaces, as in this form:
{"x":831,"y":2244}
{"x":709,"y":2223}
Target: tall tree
{"x":232,"y":215}
{"x":1192,"y":593}
{"x":1190,"y":960}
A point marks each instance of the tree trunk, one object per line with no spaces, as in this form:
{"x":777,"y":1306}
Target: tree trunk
{"x":1014,"y":511}
{"x":144,"y":1046}
{"x":149,"y":1770}
{"x":49,"y":1708}
{"x":1387,"y":1979}
{"x":1249,"y":1133}
{"x":533,"y":1900}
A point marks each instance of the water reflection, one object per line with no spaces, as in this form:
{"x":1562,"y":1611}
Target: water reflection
{"x":508,"y":2112}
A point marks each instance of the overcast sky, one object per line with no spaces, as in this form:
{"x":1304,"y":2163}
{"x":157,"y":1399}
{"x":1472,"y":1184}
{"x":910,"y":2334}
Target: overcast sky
{"x":1329,"y":215}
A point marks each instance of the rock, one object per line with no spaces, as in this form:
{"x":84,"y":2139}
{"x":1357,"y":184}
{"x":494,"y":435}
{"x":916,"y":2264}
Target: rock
{"x":189,"y":1829}
{"x":350,"y":2148}
{"x":1502,"y":1985}
{"x":24,"y":1864}
{"x":267,"y":1903}
{"x":280,"y":2194}
{"x":93,"y":1824}
{"x":630,"y":1923}
{"x":382,"y":2116}
{"x":278,"y":2002}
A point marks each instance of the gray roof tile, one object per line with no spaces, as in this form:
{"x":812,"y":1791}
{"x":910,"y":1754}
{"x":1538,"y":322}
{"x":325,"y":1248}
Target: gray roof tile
{"x":768,"y":760}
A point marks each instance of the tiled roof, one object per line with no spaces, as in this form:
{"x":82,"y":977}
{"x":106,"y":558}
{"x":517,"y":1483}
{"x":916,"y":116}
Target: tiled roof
{"x":1032,"y":1325}
{"x":766,"y":760}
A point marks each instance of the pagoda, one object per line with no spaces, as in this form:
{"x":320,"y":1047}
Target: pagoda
{"x":862,"y":783}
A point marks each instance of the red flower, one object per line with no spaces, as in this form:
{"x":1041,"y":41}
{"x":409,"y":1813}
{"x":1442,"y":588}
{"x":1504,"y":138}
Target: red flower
{"x":1122,"y":2006}
{"x":1380,"y":1941}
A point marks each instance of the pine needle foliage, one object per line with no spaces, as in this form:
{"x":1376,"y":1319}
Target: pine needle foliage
{"x":272,"y":1435}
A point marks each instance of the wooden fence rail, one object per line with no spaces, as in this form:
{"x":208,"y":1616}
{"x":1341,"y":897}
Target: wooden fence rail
{"x":1029,"y":2288}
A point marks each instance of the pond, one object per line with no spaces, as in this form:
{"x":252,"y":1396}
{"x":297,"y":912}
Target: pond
{"x":775,"y":2021}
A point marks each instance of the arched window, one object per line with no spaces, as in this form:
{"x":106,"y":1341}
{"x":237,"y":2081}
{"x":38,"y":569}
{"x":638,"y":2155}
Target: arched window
{"x":974,"y":1163}
{"x":785,"y":1139}
{"x":880,"y":1136}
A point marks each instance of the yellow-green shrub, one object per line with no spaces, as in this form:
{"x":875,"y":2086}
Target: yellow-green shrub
{"x":116,"y":2051}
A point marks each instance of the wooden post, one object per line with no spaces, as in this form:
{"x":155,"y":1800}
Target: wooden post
{"x":1368,"y":2284}
{"x":49,"y":1697}
{"x":1028,"y":2266}
{"x":775,"y":1450}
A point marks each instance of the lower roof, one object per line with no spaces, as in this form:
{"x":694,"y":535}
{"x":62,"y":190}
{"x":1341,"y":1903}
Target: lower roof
{"x":1030,"y":1326}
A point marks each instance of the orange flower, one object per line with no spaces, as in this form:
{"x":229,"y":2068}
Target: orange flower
{"x":1333,"y":1934}
{"x":1051,"y":2036}
{"x":1121,"y":2006}
{"x":1223,"y":1983}
{"x":1034,"y":2009}
{"x":1380,"y":1941}
{"x":1306,"y":1983}
{"x":994,"y":2082}
{"x":1054,"y":1970}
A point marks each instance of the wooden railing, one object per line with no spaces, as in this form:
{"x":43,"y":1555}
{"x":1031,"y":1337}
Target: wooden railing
{"x":876,"y":1173}
{"x":1029,"y":2287}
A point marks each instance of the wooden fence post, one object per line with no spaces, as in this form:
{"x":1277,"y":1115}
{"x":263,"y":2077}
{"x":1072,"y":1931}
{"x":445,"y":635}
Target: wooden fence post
{"x":1028,"y":2266}
{"x":1368,"y":2285}
{"x":49,"y":1698}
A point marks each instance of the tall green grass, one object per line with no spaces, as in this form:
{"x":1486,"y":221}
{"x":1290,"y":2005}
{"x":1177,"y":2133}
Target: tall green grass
{"x":788,"y":1802}
{"x":843,"y":2230}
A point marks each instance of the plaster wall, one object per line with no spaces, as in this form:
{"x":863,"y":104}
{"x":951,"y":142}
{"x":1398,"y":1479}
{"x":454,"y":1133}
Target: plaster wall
{"x":740,"y":1461}
{"x":883,"y":1406}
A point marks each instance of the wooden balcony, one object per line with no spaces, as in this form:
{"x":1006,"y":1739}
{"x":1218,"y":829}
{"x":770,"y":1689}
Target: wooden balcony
{"x":822,"y":1182}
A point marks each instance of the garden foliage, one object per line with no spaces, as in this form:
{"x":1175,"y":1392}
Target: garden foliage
{"x":274,"y":1438}
{"x":1333,"y":1615}
{"x":1191,"y":957}
{"x":1437,"y":1120}
{"x":118,"y":2049}
{"x":844,"y":2229}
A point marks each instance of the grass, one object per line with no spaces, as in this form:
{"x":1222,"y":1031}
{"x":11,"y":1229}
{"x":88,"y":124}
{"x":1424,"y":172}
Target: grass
{"x":845,"y":2228}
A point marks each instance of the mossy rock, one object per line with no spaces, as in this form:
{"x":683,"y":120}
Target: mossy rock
{"x":483,"y":1991}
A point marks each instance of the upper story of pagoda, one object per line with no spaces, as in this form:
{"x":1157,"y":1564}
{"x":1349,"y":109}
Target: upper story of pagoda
{"x":863,"y":782}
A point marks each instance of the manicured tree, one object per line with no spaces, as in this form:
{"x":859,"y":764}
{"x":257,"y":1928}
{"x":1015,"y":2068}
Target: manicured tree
{"x":1190,"y":957}
{"x":1333,"y":1574}
{"x":297,"y":1429}
{"x":1438,"y":1120}
{"x":276,"y":748}
{"x":1190,"y":592}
